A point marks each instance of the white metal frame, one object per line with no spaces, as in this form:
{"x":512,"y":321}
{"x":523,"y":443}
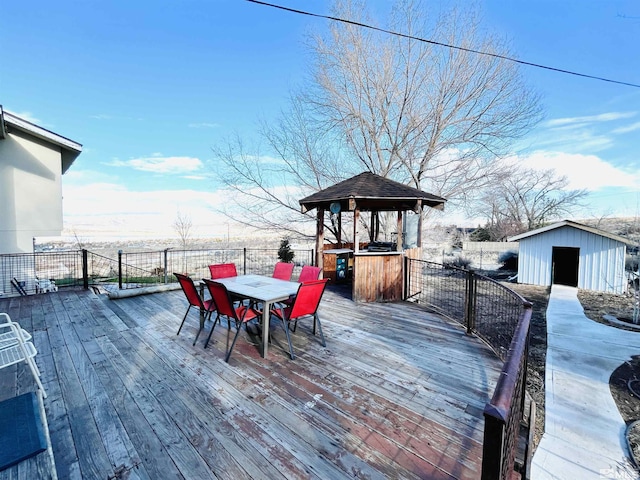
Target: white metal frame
{"x":15,"y":348}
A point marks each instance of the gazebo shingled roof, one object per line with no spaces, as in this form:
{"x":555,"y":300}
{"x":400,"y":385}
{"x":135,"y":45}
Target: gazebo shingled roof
{"x":371,"y":192}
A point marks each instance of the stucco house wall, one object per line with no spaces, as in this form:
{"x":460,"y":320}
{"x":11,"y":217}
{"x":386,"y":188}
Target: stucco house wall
{"x":600,"y":261}
{"x":32,"y":162}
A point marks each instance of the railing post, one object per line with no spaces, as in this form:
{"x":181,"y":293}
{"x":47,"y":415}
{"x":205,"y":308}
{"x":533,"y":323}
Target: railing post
{"x":165,"y":266}
{"x":85,"y":269}
{"x":244,"y":260}
{"x":120,"y":269}
{"x":470,"y":301}
{"x":493,"y":445}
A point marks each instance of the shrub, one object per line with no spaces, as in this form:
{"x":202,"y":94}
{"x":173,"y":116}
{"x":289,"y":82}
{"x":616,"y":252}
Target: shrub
{"x":459,"y":262}
{"x":480,"y":234}
{"x":631,"y":263}
{"x":285,"y":254}
{"x":509,"y":260}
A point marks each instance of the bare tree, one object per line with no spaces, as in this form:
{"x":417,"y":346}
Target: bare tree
{"x":527,"y":199}
{"x":182,"y":226}
{"x":433,"y":117}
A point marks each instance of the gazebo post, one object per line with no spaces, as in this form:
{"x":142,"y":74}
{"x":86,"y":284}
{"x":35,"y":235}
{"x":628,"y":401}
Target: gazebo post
{"x":320,"y":238}
{"x":375,"y":226}
{"x":356,"y":235}
{"x":399,"y":239}
{"x":419,"y":212}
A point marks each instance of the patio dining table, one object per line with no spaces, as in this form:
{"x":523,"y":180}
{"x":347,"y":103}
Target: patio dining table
{"x":263,"y":289}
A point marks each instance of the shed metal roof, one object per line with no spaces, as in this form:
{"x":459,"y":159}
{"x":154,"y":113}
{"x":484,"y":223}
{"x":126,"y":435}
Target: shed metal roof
{"x":570,"y":223}
{"x":370,"y":192}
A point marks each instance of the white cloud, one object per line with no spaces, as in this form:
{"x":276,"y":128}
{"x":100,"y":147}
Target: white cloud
{"x":265,"y":159}
{"x":586,"y":134}
{"x":156,"y":164}
{"x":195,"y":177}
{"x":576,"y":139}
{"x":588,"y":172}
{"x":28,"y":116}
{"x":110,"y":209}
{"x":101,"y":116}
{"x":629,"y":128}
{"x":81,"y":177}
{"x":603,"y":117}
{"x":203,"y":125}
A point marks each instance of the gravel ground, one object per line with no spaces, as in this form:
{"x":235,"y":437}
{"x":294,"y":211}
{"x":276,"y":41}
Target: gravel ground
{"x":625,"y":380}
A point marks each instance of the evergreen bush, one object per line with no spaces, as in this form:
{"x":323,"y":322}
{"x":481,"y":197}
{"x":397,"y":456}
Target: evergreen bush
{"x":285,"y":253}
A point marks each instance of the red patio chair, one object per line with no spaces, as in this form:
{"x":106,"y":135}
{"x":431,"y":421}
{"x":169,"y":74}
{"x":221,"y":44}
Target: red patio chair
{"x":304,"y":304}
{"x":309,"y":273}
{"x":223,"y":270}
{"x":191,"y":292}
{"x":224,"y":306}
{"x":283,"y":270}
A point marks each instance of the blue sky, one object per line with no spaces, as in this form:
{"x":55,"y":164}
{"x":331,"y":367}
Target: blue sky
{"x":149,"y":87}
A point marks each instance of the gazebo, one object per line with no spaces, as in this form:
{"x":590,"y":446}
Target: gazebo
{"x":377,"y":273}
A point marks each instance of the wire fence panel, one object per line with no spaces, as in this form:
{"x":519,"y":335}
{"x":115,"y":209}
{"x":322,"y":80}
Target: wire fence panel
{"x":139,"y":269}
{"x":29,"y":273}
{"x":438,"y":287}
{"x":497,"y":310}
{"x":195,"y":263}
{"x":101,"y":269}
{"x":485,"y":307}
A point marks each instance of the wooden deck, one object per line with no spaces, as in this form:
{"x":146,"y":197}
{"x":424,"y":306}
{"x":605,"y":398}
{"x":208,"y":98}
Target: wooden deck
{"x":397,"y":393}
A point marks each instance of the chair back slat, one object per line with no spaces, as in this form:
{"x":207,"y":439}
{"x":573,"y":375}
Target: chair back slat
{"x":220,"y":296}
{"x":223,"y":270}
{"x":309,"y":274}
{"x":308,"y":298}
{"x":189,"y":289}
{"x":283,"y":271}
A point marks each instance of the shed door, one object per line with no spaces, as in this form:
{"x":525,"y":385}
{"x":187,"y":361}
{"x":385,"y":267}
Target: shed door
{"x":565,"y":266}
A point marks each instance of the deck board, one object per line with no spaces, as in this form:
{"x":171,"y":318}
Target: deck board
{"x":397,"y":392}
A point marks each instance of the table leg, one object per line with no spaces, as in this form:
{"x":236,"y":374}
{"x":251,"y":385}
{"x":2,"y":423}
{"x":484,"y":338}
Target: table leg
{"x":266,"y":316}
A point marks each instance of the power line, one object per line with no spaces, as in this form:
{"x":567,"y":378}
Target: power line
{"x":441,"y":44}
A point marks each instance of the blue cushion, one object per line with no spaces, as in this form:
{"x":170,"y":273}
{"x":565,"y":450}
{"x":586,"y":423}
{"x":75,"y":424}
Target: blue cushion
{"x":21,"y":431}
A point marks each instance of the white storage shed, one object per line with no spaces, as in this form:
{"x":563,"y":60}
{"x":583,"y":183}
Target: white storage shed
{"x":569,"y":253}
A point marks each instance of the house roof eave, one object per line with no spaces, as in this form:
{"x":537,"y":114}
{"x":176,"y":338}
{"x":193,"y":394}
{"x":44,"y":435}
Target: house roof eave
{"x":69,"y":148}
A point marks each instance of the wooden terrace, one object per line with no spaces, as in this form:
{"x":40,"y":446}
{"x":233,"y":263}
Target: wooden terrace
{"x":397,"y":393}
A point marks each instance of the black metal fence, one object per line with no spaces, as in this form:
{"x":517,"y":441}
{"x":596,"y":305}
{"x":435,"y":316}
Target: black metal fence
{"x":503,"y":415}
{"x":29,"y":273}
{"x":482,"y":305}
{"x":501,"y":318}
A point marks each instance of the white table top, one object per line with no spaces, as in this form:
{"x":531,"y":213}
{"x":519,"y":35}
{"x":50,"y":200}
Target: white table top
{"x":259,"y":287}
